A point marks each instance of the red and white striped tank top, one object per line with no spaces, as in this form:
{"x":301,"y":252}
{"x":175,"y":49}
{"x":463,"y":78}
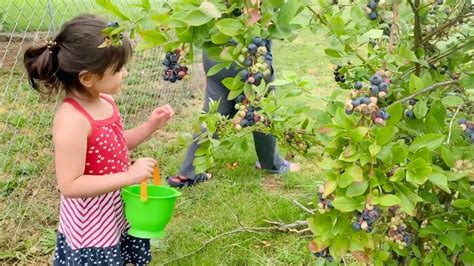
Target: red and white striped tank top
{"x":97,"y":221}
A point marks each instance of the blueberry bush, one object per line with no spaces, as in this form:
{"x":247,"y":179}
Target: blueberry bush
{"x":394,"y":142}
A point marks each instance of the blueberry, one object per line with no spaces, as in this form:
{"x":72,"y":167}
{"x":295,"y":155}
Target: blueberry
{"x":237,"y":12}
{"x":329,"y":258}
{"x":248,"y":62}
{"x":412,"y":101}
{"x":386,"y":116}
{"x":337,"y":78}
{"x":440,"y":2}
{"x":365,"y":100}
{"x":168,"y":55}
{"x":176,"y":69}
{"x":383,"y":87}
{"x":252,"y":48}
{"x":380,"y":113}
{"x":410,"y":114}
{"x":376,"y":79}
{"x":355,"y":102}
{"x":374,"y":89}
{"x":244,"y":75}
{"x":358,"y":85}
{"x":249,"y":116}
{"x":317,"y":254}
{"x":166,"y":62}
{"x":373,"y":15}
{"x":372,"y":5}
{"x":468,"y":131}
{"x":244,"y":122}
{"x":240,"y":98}
{"x":329,"y":204}
{"x":348,"y":112}
{"x":462,"y":121}
{"x":356,"y":226}
{"x":173,"y":79}
{"x":373,"y":213}
{"x":174,"y":58}
{"x":258,"y":41}
{"x":343,"y":79}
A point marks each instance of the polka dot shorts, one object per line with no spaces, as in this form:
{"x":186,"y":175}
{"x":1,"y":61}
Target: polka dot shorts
{"x":129,"y":250}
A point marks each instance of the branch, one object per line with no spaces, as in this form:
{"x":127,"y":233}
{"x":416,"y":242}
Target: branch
{"x":277,"y":226}
{"x":451,"y":123}
{"x":443,"y":27}
{"x":303,"y":207}
{"x":416,"y":30}
{"x":432,"y":87}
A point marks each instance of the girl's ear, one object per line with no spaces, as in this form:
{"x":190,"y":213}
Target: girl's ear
{"x":87,"y":79}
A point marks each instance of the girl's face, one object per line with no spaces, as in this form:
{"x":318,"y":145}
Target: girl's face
{"x":111,"y":83}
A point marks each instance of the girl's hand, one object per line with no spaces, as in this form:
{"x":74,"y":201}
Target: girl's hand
{"x":160,"y":116}
{"x":141,"y":170}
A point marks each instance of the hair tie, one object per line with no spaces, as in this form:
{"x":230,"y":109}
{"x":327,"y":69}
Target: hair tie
{"x":50,"y":44}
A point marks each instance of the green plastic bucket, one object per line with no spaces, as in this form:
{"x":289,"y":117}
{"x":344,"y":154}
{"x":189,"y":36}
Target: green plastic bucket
{"x":148,"y":219}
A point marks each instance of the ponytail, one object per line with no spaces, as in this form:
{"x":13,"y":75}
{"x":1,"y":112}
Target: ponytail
{"x":41,"y":64}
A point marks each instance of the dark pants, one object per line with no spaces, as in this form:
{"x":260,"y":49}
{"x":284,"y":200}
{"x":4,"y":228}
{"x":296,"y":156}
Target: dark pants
{"x":265,"y":144}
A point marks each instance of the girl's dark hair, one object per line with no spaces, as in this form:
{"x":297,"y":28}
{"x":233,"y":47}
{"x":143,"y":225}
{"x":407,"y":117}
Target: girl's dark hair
{"x":57,"y":64}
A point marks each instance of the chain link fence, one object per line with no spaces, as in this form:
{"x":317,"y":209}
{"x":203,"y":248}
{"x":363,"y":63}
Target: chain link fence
{"x":28,"y":195}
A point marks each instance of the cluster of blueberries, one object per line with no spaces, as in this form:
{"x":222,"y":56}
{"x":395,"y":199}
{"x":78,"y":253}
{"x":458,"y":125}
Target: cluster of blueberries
{"x":372,"y":5}
{"x":173,"y":70}
{"x":324,"y":204}
{"x":398,"y":229}
{"x":247,"y":115}
{"x":338,"y":77}
{"x":253,"y":59}
{"x":365,"y":101}
{"x":366,"y":219}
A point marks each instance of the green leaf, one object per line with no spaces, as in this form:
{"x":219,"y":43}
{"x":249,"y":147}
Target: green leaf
{"x":345,"y":204}
{"x":344,"y":180}
{"x":385,"y":134}
{"x":408,"y":197}
{"x":210,"y":10}
{"x":228,"y":83}
{"x":461,"y":203}
{"x":430,"y":141}
{"x":217,"y":68}
{"x":448,"y":242}
{"x":357,"y":189}
{"x":406,"y":53}
{"x":418,"y":171}
{"x":332,"y":53}
{"x":151,"y":38}
{"x":387,"y":200}
{"x":233,"y":94}
{"x":337,"y":25}
{"x":420,"y":109}
{"x":371,"y":34}
{"x":415,"y":83}
{"x":440,"y":180}
{"x":467,"y":81}
{"x":229,"y":26}
{"x":339,"y":246}
{"x":438,"y":111}
{"x":356,"y":134}
{"x":452,"y":100}
{"x":396,"y":112}
{"x":356,"y":172}
{"x":374,"y":149}
{"x":196,"y":18}
{"x":329,"y":187}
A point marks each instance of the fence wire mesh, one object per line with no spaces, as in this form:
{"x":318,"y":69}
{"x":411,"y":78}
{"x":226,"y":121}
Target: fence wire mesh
{"x":26,"y":154}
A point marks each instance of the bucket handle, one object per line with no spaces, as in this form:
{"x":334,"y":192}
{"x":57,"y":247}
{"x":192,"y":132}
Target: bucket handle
{"x":144,"y":184}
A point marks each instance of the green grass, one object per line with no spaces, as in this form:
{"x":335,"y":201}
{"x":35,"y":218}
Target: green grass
{"x":234,"y":198}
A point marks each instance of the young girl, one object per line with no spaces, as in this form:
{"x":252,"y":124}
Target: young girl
{"x":90,"y":144}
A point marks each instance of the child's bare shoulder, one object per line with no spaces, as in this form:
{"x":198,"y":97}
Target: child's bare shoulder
{"x":68,"y":117}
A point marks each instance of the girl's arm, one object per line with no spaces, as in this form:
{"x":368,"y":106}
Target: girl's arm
{"x":158,"y":119}
{"x":70,"y":131}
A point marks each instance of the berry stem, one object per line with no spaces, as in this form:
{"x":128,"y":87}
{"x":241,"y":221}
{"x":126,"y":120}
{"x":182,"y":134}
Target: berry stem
{"x":427,"y":89}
